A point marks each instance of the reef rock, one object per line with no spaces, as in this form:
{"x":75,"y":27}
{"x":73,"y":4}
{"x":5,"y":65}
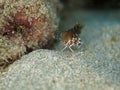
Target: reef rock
{"x":26,"y":25}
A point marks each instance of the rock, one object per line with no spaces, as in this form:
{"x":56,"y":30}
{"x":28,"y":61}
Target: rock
{"x":26,"y":25}
{"x":94,"y":66}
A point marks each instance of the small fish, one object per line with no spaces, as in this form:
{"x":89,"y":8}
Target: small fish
{"x":71,"y":37}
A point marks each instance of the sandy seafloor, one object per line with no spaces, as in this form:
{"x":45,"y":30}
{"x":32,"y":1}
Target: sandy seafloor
{"x":93,"y":66}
